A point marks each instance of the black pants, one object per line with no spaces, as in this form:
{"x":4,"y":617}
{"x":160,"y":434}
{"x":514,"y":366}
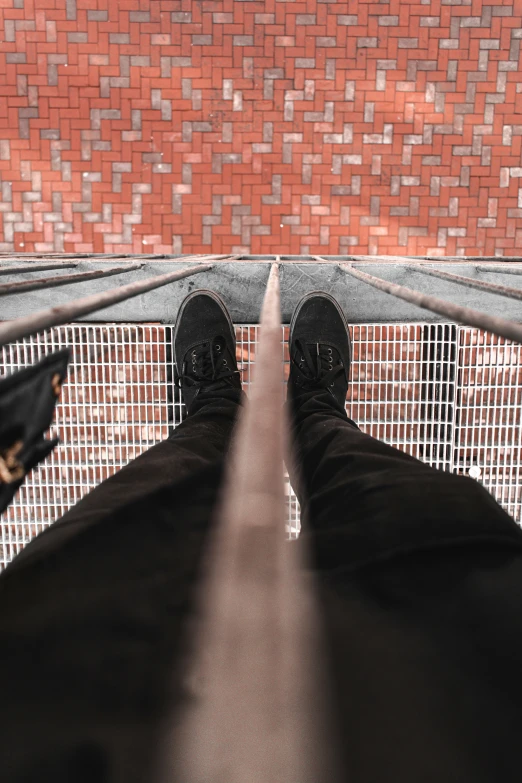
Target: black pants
{"x":420,"y":579}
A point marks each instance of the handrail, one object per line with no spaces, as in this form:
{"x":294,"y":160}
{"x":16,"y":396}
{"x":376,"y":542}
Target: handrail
{"x":464,"y":315}
{"x":53,"y":282}
{"x":62,"y":314}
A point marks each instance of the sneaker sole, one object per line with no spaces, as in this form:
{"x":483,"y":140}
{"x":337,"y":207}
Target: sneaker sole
{"x":330,"y":299}
{"x":187,"y":299}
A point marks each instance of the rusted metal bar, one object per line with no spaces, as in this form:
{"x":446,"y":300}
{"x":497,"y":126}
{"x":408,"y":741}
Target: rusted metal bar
{"x":422,"y":261}
{"x":253,"y":712}
{"x":463,"y":259}
{"x":15,"y":270}
{"x":80,"y":256}
{"x":505,"y":270}
{"x":267,"y":259}
{"x":26,"y":256}
{"x":62,"y":314}
{"x":396,"y":260}
{"x":469,"y":282}
{"x":54,"y":282}
{"x":75,"y":258}
{"x":464,"y":315}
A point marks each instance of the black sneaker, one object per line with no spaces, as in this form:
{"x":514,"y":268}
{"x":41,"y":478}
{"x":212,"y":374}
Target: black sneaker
{"x":204,"y":346}
{"x":320,"y":348}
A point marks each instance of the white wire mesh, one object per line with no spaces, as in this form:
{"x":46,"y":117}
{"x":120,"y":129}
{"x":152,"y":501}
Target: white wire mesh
{"x":488,"y":441}
{"x":451,"y":396}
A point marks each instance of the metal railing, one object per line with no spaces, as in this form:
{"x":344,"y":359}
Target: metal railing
{"x":21,"y":326}
{"x":464,"y":315}
{"x":62,"y":314}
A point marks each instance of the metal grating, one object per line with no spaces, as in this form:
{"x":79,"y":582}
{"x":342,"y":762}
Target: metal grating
{"x":449,"y":395}
{"x":488,"y":443}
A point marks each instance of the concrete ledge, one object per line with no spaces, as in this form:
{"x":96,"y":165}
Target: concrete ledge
{"x":241,"y":283}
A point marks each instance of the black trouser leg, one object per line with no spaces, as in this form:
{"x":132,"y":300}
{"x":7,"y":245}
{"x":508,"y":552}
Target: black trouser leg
{"x":420,"y":577}
{"x":92,"y":611}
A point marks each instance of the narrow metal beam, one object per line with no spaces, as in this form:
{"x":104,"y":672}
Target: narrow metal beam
{"x":111,"y":256}
{"x":421,"y":261}
{"x":252,"y":712}
{"x":379,"y":259}
{"x":62,"y":314}
{"x":505,"y":270}
{"x":463,"y":259}
{"x":396,"y":260}
{"x":54,"y":282}
{"x":262,"y":258}
{"x":469,"y":282}
{"x":433,"y":259}
{"x":15,"y":270}
{"x":464,"y":315}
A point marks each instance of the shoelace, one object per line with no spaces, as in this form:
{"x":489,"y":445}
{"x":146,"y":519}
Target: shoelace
{"x":208,"y":365}
{"x":318,"y":370}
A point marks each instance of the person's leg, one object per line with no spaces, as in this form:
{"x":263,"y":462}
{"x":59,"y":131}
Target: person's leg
{"x":359,"y":494}
{"x":360,"y":497}
{"x":92,"y":611}
{"x":198,"y":443}
{"x":420,"y":576}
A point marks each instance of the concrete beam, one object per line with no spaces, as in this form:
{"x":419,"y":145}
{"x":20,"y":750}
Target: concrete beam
{"x":242,"y":284}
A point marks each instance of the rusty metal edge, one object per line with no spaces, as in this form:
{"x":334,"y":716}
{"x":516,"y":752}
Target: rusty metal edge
{"x":62,"y":314}
{"x":54,"y":282}
{"x":464,"y":315}
{"x":468,"y":282}
{"x":15,"y":270}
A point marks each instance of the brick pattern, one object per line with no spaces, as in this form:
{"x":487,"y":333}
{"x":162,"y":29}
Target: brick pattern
{"x":276,"y":126}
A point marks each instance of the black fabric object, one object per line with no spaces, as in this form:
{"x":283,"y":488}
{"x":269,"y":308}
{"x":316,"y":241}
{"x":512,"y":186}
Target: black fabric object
{"x":420,"y":584}
{"x":27,"y":402}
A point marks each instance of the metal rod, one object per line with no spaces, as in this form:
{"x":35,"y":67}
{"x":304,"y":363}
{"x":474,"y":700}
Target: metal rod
{"x":138,"y":257}
{"x":53,"y":282}
{"x":15,"y":270}
{"x":62,"y":314}
{"x":398,"y":260}
{"x":255,"y":718}
{"x":469,"y":282}
{"x":505,"y":270}
{"x":419,"y":261}
{"x":463,"y":259}
{"x":380,"y":259}
{"x":464,"y":315}
{"x":82,"y":256}
{"x":25,"y":256}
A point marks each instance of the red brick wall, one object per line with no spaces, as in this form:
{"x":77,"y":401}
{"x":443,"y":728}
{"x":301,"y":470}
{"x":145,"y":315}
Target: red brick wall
{"x":270,"y":126}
